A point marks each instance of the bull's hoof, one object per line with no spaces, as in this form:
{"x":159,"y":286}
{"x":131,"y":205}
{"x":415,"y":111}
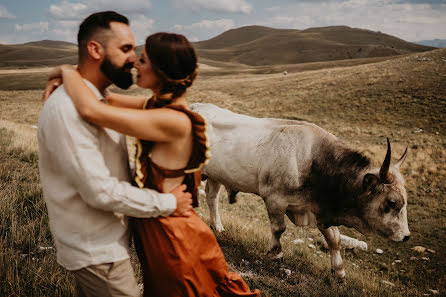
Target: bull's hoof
{"x":339,"y":276}
{"x":218,"y":229}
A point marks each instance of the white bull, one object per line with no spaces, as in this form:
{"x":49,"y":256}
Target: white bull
{"x":303,"y":171}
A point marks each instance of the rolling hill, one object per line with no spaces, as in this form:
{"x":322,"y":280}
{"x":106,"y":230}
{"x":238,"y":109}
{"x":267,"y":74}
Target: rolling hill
{"x":38,"y":54}
{"x":257,"y":45}
{"x":250,"y":45}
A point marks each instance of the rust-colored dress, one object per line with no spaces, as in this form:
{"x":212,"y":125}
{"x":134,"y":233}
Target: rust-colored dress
{"x":180,"y":256}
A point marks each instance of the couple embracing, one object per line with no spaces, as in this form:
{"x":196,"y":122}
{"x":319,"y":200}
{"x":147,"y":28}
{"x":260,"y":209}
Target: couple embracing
{"x":84,"y":168}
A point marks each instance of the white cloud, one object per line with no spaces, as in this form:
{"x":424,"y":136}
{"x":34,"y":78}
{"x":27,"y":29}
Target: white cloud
{"x":231,"y":6}
{"x":39,"y":27}
{"x":65,"y":34}
{"x":293,"y":22}
{"x":122,"y":6}
{"x":205,"y":28}
{"x":67,"y":10}
{"x":81,"y":9}
{"x":67,"y":16}
{"x":273,"y":8}
{"x":222,"y":24}
{"x":5,"y":14}
{"x":67,"y":30}
{"x":141,"y":27}
{"x":407,"y":21}
{"x":193,"y":39}
{"x":14,"y":38}
{"x":68,"y":24}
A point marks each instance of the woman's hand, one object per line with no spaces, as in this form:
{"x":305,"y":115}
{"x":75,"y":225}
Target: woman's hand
{"x":55,"y":79}
{"x":50,"y":87}
{"x":59,"y":70}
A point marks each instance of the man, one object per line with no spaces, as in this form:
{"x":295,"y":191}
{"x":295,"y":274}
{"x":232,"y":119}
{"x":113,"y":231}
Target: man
{"x":84,"y":170}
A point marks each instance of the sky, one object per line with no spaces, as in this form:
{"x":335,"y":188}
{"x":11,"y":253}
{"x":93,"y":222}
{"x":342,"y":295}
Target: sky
{"x":32,"y":20}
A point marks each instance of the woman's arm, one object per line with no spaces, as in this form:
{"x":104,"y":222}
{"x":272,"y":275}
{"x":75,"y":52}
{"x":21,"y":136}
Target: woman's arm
{"x":160,"y":125}
{"x":128,"y":101}
{"x":115,"y":99}
{"x":51,"y":86}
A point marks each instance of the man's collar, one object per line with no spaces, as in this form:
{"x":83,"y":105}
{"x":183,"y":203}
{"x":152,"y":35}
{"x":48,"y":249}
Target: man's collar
{"x":95,"y":90}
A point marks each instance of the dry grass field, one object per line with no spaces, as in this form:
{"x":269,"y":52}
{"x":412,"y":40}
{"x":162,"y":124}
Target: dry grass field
{"x":403,"y":98}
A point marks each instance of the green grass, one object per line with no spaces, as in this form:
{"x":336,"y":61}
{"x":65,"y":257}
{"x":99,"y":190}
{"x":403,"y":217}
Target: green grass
{"x":26,"y":269}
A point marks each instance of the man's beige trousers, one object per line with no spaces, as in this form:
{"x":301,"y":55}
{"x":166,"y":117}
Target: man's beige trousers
{"x":108,"y":279}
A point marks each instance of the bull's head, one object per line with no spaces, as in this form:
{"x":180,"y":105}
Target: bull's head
{"x":385,"y":212}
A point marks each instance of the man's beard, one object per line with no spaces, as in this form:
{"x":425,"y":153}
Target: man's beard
{"x":119,"y":76}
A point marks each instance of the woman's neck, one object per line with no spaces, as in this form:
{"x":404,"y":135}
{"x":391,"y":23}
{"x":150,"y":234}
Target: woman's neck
{"x":177,"y":101}
{"x":180,"y":101}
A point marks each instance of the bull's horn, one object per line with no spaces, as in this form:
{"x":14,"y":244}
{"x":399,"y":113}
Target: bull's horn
{"x":384,"y":171}
{"x":401,"y":160}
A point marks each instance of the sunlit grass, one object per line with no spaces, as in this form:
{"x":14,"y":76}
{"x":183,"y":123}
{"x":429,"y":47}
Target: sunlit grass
{"x":362,"y":105}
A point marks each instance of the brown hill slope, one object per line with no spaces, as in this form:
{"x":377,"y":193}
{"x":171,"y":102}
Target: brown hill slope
{"x":37,"y":54}
{"x":251,"y":45}
{"x":255,"y":45}
{"x":239,"y":36}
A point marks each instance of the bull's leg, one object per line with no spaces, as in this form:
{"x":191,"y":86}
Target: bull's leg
{"x":212,"y":188}
{"x":232,"y":195}
{"x":333,"y":238}
{"x":276,"y":214}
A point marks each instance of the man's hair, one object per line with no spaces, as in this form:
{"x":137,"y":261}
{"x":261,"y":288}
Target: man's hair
{"x":94,"y":24}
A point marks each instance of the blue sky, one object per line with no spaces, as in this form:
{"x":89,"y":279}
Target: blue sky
{"x":412,"y":20}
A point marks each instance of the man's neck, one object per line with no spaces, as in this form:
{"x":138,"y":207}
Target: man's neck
{"x":95,"y":76}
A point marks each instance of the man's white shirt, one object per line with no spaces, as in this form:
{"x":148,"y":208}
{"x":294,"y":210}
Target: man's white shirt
{"x":85,"y":178}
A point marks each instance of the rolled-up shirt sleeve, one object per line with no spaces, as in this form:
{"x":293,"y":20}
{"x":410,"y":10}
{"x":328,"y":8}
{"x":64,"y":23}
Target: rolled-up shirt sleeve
{"x":78,"y":152}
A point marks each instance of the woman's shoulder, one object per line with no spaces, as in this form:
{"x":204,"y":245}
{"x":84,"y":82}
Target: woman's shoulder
{"x":194,"y":117}
{"x":201,"y":152}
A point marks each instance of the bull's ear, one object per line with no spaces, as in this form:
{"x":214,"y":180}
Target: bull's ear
{"x":370,"y":181}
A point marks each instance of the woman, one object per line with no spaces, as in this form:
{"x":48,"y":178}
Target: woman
{"x":179,"y":255}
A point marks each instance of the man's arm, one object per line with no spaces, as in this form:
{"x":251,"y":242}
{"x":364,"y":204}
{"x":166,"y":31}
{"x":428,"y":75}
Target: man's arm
{"x":75,"y":147}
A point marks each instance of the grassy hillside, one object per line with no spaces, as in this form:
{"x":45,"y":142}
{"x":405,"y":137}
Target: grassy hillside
{"x":403,"y":98}
{"x":239,"y":36}
{"x":255,"y":45}
{"x":250,"y":45}
{"x":38,"y":54}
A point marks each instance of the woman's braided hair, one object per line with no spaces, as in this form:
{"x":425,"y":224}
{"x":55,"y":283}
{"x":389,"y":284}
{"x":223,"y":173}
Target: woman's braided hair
{"x":174,"y":62}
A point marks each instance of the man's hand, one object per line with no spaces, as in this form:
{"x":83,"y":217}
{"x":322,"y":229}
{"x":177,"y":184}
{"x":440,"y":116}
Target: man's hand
{"x":50,"y":87}
{"x":184,"y":202}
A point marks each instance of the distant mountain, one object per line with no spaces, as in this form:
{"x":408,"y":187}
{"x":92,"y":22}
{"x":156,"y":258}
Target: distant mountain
{"x":38,"y":53}
{"x":435,"y":42}
{"x":257,"y":45}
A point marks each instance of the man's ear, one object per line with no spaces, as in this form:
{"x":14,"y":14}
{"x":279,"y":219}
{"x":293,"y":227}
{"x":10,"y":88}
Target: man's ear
{"x":95,"y":50}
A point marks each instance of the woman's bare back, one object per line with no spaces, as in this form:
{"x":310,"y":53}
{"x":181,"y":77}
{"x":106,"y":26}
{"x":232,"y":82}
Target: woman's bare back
{"x":172,"y":155}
